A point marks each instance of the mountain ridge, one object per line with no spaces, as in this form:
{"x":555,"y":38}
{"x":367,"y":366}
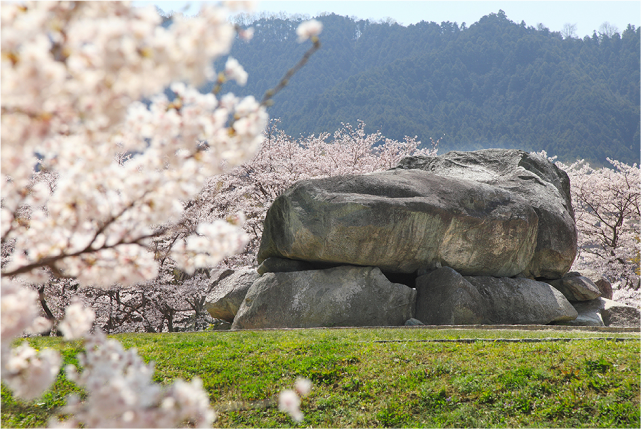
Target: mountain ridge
{"x":492,"y":84}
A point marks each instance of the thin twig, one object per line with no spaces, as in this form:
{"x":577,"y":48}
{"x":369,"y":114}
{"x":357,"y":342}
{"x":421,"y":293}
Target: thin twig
{"x":285,"y":80}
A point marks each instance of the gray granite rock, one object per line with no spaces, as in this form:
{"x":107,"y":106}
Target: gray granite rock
{"x":604,"y":286}
{"x":400,"y":221}
{"x":342,"y":296}
{"x":526,"y":176}
{"x":413,"y":322}
{"x":604,"y":312}
{"x":444,"y":297}
{"x":576,"y":287}
{"x":489,"y":213}
{"x":224,"y":299}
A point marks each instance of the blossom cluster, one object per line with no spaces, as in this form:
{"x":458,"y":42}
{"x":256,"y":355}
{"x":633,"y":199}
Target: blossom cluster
{"x":121,"y":392}
{"x":92,"y":174}
{"x":119,"y":385}
{"x":607,"y":203}
{"x":289,"y":401}
{"x":308,"y":30}
{"x":27,"y":372}
{"x":70,"y":103}
{"x":77,"y":322}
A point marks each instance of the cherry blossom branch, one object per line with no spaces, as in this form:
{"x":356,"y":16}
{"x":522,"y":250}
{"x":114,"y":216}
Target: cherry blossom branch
{"x":51,"y":260}
{"x":310,"y":31}
{"x":71,"y":75}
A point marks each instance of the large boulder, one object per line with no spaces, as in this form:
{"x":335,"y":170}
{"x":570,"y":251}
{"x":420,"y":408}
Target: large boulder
{"x":226,"y":296}
{"x":605,"y":312}
{"x":494,"y":212}
{"x":445,"y":297}
{"x":619,"y":315}
{"x":401,"y":221}
{"x":341,"y":296}
{"x":604,"y":286}
{"x":576,"y":287}
{"x":527,"y":176}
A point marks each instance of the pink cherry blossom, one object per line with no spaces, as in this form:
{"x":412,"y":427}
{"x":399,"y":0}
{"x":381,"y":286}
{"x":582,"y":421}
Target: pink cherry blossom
{"x":235,"y":71}
{"x":308,"y":30}
{"x":29,"y":373}
{"x":289,"y":402}
{"x":303,"y":386}
{"x":77,"y":322}
{"x":112,"y":176}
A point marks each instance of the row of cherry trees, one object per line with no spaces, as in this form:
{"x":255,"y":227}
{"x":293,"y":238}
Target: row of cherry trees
{"x":174,"y":300}
{"x":607,"y":207}
{"x":606,"y":203}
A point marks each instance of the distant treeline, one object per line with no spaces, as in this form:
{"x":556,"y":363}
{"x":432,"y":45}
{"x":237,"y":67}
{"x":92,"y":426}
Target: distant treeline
{"x":495,"y":83}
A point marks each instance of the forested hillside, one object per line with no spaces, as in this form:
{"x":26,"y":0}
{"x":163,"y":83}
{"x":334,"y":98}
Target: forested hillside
{"x":495,"y":83}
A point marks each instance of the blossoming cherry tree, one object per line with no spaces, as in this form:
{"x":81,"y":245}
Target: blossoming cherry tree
{"x":73,"y":77}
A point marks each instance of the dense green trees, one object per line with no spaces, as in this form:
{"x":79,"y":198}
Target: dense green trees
{"x":495,"y":83}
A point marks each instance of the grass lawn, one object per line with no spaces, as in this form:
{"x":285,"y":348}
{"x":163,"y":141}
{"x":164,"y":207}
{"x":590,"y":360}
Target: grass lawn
{"x":388,"y":377}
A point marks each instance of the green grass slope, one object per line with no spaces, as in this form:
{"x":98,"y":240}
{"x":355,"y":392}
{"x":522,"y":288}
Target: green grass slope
{"x":389,"y":377}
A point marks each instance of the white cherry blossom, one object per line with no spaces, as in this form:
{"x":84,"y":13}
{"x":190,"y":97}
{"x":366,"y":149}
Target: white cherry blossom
{"x":73,"y":77}
{"x":303,"y":386}
{"x":29,"y":373}
{"x":235,"y":5}
{"x":121,"y":392}
{"x":235,"y":71}
{"x":308,"y":30}
{"x":19,"y":310}
{"x":289,"y":402}
{"x":98,"y":166}
{"x":77,"y":322}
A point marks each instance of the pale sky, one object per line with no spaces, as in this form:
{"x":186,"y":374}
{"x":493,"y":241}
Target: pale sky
{"x":587,"y":15}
